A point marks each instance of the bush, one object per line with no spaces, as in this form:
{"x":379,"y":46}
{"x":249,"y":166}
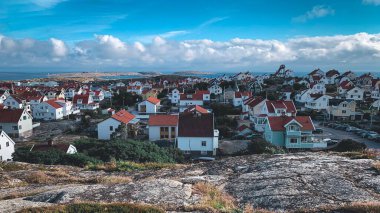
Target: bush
{"x":52,"y":157}
{"x":120,"y":150}
{"x":349,"y":145}
{"x":260,"y":146}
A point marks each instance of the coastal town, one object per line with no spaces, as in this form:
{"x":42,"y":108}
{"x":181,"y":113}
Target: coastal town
{"x":204,"y":118}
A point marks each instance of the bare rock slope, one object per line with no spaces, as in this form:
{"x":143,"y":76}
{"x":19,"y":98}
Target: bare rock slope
{"x":274,"y":182}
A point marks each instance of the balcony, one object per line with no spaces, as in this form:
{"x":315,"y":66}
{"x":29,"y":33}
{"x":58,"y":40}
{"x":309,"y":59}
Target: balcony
{"x":293,"y":133}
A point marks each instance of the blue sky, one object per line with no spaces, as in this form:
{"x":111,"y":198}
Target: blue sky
{"x":78,"y":28}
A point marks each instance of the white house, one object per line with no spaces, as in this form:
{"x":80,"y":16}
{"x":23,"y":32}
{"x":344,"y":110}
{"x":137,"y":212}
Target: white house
{"x":7,"y":147}
{"x":150,"y":105}
{"x":332,"y":76}
{"x":215,"y":89}
{"x":85,"y":102}
{"x":135,"y":89}
{"x":48,"y":110}
{"x":318,"y":88}
{"x":318,"y":102}
{"x":108,"y":126}
{"x":239,"y":97}
{"x":355,"y":93}
{"x":163,"y":127}
{"x":175,"y":96}
{"x":3,"y":96}
{"x":16,"y":123}
{"x":197,"y":134}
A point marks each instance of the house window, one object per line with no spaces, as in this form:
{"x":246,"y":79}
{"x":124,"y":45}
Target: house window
{"x":344,"y":105}
{"x":111,"y":128}
{"x":14,"y":128}
{"x":344,"y":111}
{"x":1,"y":158}
{"x":20,"y":127}
{"x":1,"y":127}
{"x":203,"y":152}
{"x":293,"y":140}
{"x":24,"y":117}
{"x":172,"y":132}
{"x":187,"y":152}
{"x":7,"y":144}
{"x":204,"y":143}
{"x":303,"y":139}
{"x":164,"y":132}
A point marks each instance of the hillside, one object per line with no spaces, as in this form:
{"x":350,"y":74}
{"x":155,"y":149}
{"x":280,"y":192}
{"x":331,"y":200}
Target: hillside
{"x":273,"y":182}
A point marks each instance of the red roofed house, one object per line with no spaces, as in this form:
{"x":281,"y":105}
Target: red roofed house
{"x":344,"y":86}
{"x":135,"y":89}
{"x":273,"y":108}
{"x":150,"y":105}
{"x":17,"y":123}
{"x":163,"y":127}
{"x":197,"y":109}
{"x":239,"y":97}
{"x":48,"y":110}
{"x":291,"y":132}
{"x":197,"y":134}
{"x":108,"y":126}
{"x":198,"y":98}
{"x":85,"y":102}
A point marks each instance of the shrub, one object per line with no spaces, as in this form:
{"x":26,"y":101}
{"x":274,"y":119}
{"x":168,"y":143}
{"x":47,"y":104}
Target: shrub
{"x":349,"y":145}
{"x":120,"y":150}
{"x":260,"y":146}
{"x":37,"y":177}
{"x":52,"y":157}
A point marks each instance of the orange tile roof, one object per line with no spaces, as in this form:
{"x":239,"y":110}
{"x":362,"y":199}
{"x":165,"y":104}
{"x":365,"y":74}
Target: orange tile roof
{"x":154,"y":100}
{"x":163,"y":120}
{"x":54,"y":104}
{"x":123,"y":116}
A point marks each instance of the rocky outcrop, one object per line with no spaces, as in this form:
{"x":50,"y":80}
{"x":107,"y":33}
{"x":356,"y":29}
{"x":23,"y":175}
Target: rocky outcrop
{"x":274,"y":182}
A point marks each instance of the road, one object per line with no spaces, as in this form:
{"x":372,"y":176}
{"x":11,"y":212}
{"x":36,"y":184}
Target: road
{"x":340,"y":135}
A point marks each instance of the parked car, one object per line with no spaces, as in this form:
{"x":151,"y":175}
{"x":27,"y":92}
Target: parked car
{"x":351,"y":129}
{"x":360,"y":132}
{"x":318,"y":131}
{"x":370,"y":135}
{"x":356,"y":130}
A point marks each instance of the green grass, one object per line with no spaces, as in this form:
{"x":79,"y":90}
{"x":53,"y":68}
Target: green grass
{"x":95,"y":207}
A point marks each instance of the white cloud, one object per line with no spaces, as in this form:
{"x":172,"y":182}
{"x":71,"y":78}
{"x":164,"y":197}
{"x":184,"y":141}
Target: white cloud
{"x":373,"y":2}
{"x":318,"y":11}
{"x":46,"y":3}
{"x":106,"y":52}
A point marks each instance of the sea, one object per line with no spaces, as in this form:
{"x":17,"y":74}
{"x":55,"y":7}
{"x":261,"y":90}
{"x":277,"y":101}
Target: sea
{"x":17,"y":76}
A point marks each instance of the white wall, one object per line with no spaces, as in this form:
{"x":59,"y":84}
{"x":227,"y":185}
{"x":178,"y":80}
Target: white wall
{"x":104,"y":132}
{"x":195,"y":143}
{"x":6,"y":151}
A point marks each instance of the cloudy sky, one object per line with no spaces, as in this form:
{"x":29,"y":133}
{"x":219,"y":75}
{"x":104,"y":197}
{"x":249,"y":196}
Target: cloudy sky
{"x":167,"y":35}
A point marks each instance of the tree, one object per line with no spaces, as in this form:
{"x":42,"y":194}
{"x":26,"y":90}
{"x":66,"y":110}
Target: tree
{"x":201,"y":86}
{"x":121,"y":132}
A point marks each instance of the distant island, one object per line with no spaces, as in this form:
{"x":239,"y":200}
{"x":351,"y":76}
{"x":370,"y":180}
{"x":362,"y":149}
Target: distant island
{"x":191,"y":73}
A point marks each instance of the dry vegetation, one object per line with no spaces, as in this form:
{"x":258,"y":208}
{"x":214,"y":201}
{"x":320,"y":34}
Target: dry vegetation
{"x":376,"y":166}
{"x":356,"y":207}
{"x":366,"y":154}
{"x":95,"y":207}
{"x":213,"y":199}
{"x":113,"y":166}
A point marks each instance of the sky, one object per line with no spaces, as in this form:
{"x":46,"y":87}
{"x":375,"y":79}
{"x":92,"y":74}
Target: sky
{"x":168,"y":35}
